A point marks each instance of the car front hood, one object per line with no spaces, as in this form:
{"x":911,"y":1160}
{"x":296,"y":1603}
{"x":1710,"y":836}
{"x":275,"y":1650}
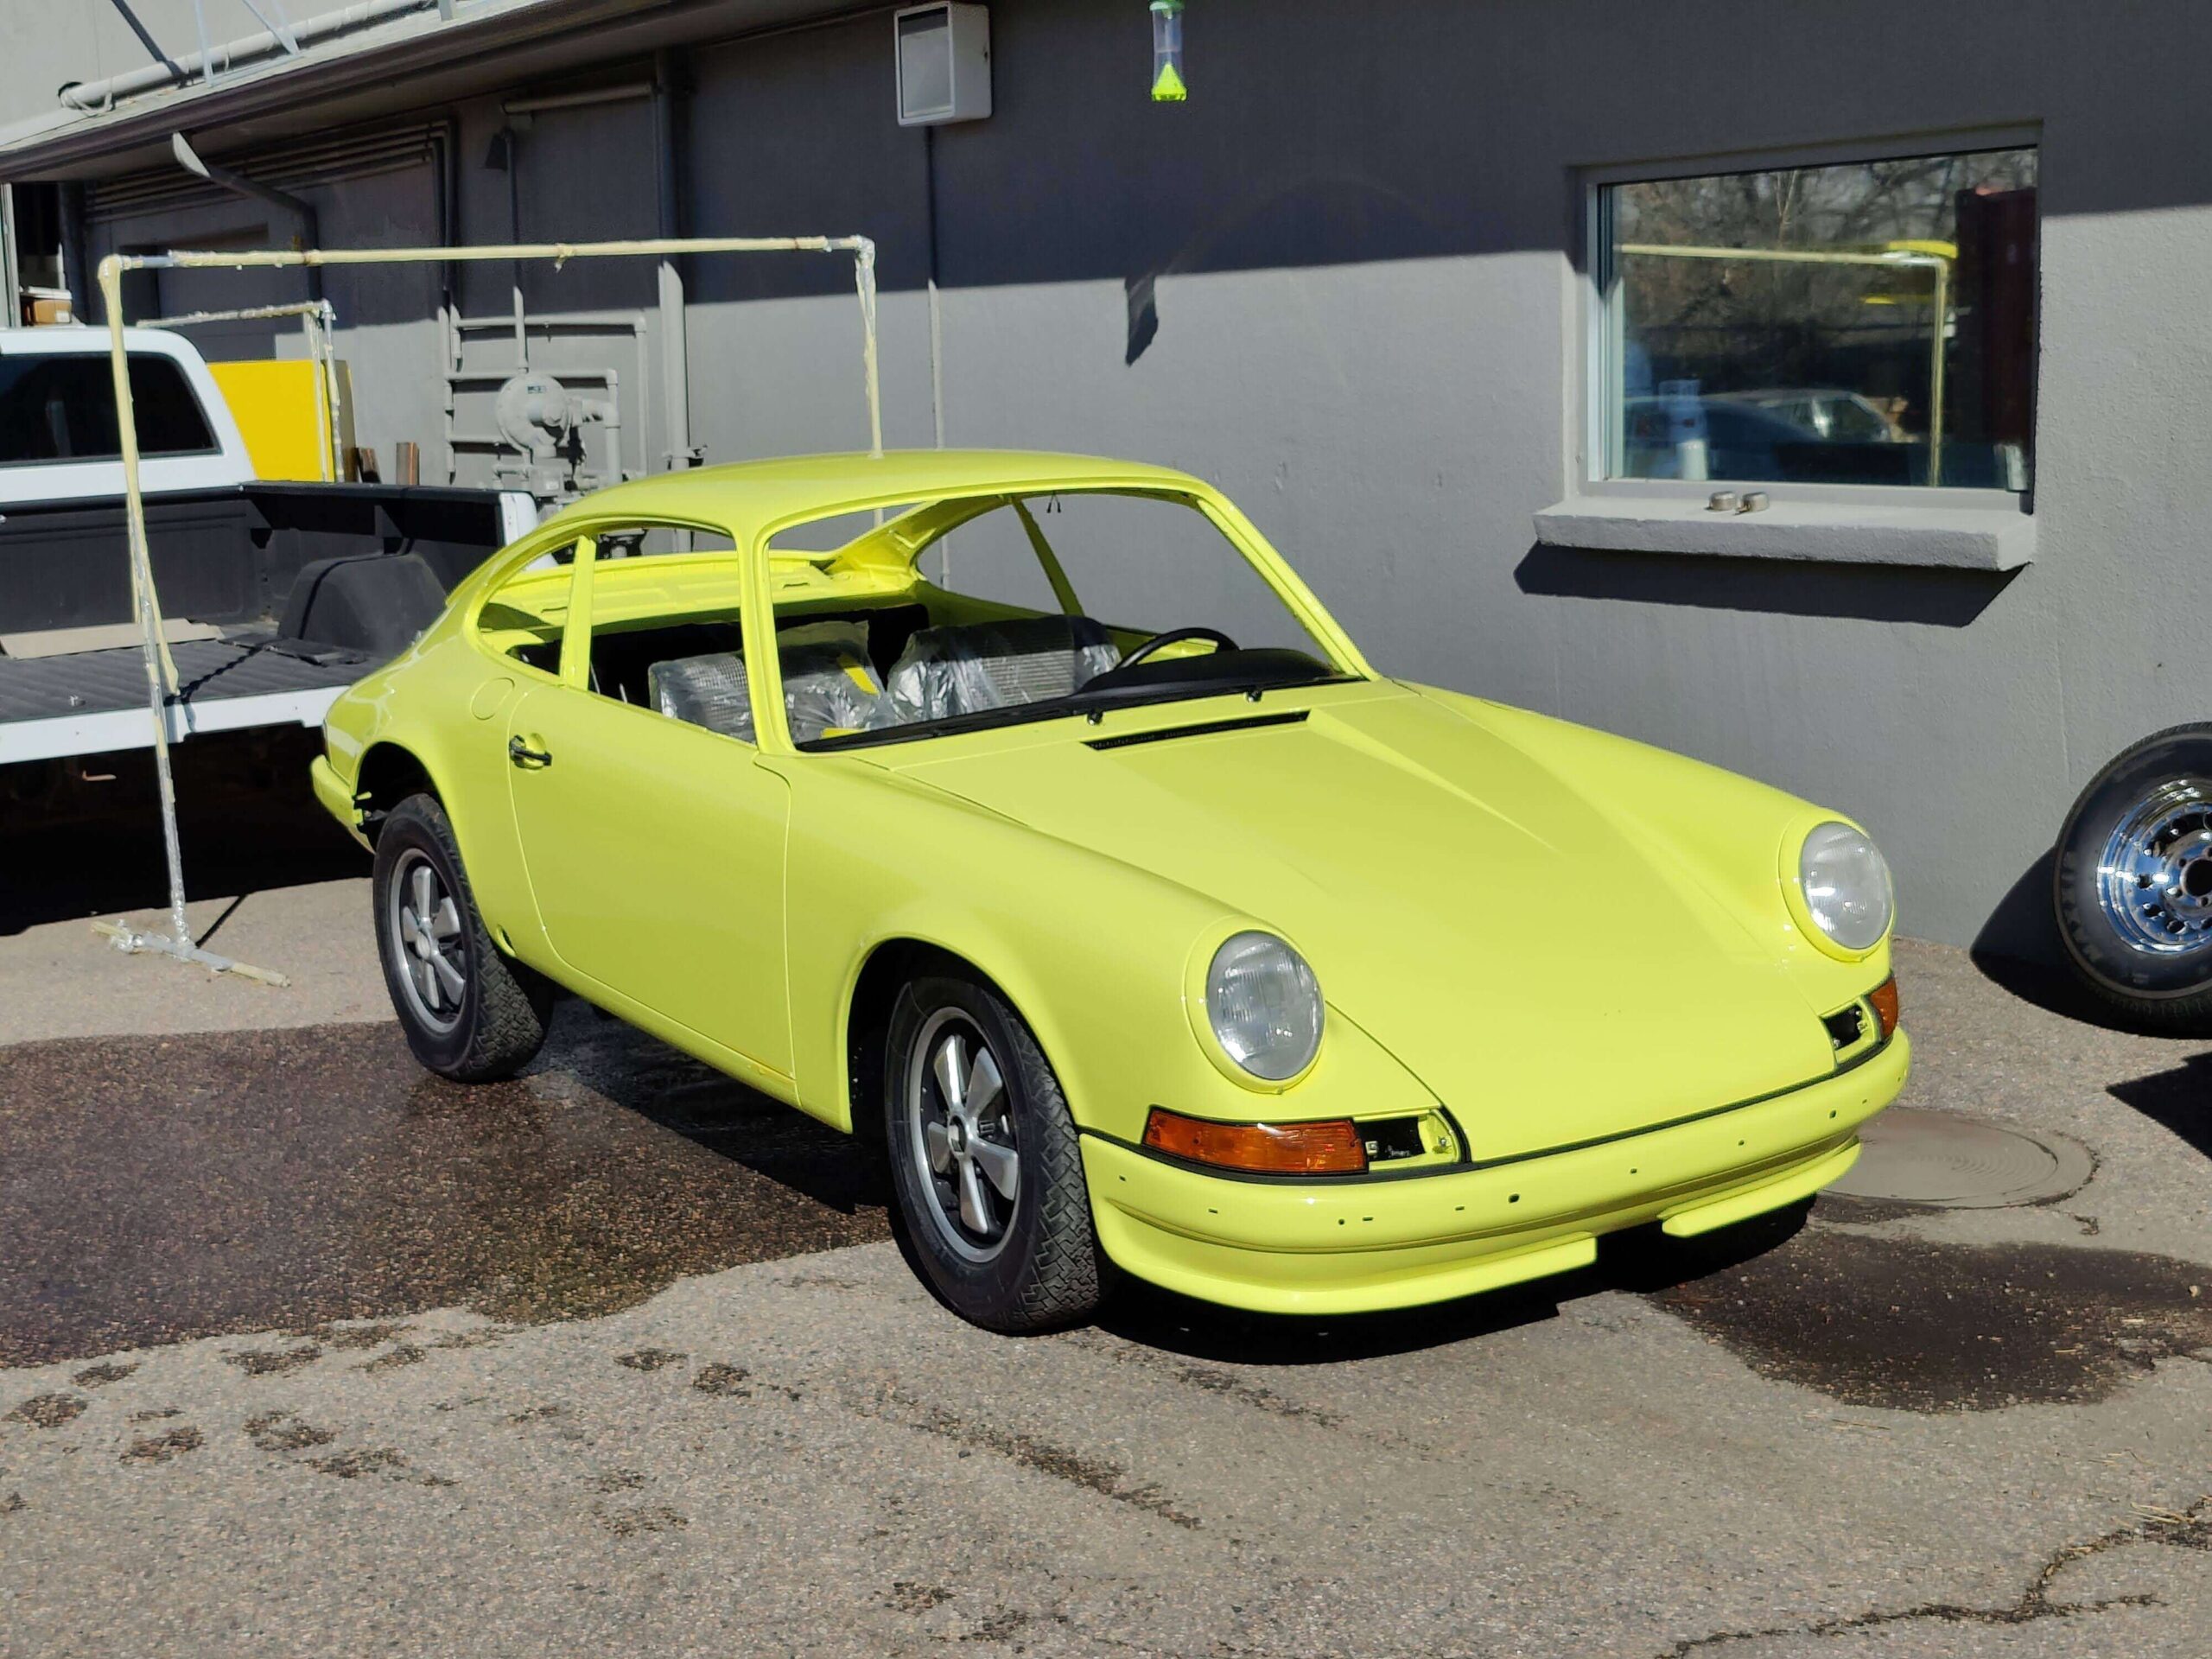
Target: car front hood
{"x":1533,"y":957}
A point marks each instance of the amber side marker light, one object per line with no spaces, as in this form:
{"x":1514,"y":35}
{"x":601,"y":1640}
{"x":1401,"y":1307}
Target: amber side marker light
{"x":1884,"y":996}
{"x":1329,"y":1147}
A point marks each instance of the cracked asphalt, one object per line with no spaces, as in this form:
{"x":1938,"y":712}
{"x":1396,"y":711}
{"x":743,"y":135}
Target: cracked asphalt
{"x":302,"y":1352}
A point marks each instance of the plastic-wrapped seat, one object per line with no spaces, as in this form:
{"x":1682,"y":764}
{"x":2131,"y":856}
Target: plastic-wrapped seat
{"x":982,"y":665}
{"x":708,"y":691}
{"x":831,"y":687}
{"x":828,"y":685}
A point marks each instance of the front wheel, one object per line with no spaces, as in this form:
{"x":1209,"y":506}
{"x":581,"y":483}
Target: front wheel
{"x":985,"y":1161}
{"x":2134,"y":882}
{"x":469,"y":1013}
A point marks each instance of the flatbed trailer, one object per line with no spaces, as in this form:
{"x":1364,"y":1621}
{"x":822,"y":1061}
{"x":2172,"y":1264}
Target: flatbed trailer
{"x":94,"y":702}
{"x":278,"y":596}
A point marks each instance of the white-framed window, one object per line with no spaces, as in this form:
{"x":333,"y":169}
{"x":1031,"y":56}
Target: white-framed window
{"x":1831,"y":319}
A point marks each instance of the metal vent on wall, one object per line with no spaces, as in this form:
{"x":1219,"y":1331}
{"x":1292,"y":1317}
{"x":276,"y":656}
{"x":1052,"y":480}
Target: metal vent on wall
{"x":291,"y":167}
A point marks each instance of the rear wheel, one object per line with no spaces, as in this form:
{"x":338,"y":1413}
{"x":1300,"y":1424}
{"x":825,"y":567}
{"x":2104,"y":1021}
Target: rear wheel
{"x":469,"y":1013}
{"x":985,"y":1163}
{"x":2134,"y":882}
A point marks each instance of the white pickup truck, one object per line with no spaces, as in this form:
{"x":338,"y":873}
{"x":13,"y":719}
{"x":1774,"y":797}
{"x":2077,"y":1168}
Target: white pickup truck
{"x":57,"y":437}
{"x":277,"y":595}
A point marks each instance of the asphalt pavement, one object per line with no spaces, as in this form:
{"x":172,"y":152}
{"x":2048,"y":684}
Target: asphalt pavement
{"x":302,"y":1352}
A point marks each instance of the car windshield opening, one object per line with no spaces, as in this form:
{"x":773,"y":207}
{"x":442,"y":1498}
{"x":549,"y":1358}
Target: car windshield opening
{"x":1001,"y":609}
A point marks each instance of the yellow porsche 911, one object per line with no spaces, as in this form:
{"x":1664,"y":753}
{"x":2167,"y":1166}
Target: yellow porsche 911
{"x":1026,"y":815}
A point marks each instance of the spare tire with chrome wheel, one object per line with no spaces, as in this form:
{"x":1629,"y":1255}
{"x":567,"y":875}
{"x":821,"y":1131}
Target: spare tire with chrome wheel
{"x":986,"y":1166}
{"x":470,"y":1013}
{"x":2135,"y":883}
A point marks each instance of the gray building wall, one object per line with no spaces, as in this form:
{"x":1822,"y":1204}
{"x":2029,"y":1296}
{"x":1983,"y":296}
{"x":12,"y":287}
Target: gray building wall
{"x":1360,"y":237}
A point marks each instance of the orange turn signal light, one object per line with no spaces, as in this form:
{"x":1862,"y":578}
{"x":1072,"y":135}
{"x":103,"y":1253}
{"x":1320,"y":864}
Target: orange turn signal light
{"x":1884,"y":996}
{"x":1330,"y":1146}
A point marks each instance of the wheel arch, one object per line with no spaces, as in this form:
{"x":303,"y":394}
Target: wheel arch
{"x":878,"y":975}
{"x":390,"y":771}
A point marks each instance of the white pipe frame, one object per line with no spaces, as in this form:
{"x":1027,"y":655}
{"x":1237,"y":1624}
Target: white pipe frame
{"x":160,"y":672}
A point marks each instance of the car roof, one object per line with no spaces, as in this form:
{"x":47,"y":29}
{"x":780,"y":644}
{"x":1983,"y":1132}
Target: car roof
{"x":749,"y":496}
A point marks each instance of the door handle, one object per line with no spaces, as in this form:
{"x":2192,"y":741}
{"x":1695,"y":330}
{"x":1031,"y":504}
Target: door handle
{"x":522,"y":755}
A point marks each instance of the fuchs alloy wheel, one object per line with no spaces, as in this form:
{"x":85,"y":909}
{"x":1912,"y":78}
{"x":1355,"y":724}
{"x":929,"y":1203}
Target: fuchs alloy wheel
{"x":424,"y":923}
{"x":2134,"y":882}
{"x":961,"y":1137}
{"x":469,"y":1013}
{"x":985,"y":1162}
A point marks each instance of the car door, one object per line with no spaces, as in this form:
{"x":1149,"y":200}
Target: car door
{"x":654,"y":849}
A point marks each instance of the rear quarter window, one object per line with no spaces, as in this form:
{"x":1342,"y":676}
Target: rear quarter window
{"x":62,"y":408}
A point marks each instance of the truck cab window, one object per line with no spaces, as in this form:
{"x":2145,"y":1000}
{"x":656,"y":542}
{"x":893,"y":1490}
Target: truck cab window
{"x":62,"y":408}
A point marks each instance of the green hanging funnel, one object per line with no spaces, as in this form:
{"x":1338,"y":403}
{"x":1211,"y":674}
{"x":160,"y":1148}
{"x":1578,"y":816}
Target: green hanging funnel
{"x":1168,"y":86}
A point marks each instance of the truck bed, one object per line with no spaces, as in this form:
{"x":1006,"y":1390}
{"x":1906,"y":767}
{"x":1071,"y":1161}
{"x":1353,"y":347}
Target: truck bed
{"x":94,"y":702}
{"x":226,"y":562}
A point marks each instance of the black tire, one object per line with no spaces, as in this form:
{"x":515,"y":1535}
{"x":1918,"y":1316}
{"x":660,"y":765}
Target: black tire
{"x":1042,"y":1268}
{"x":2116,"y":954}
{"x":496,"y":1020}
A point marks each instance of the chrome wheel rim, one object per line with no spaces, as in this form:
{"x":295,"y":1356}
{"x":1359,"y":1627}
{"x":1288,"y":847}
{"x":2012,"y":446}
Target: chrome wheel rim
{"x":2155,"y":877}
{"x":423,"y":924}
{"x":960,"y":1135}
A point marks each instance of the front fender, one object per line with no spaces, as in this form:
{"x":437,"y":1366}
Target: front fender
{"x":1733,"y":837}
{"x":1090,"y":950}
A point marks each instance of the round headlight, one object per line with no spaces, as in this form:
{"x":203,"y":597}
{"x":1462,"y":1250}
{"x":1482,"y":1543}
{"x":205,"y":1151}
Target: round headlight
{"x":1847,"y":885}
{"x":1265,"y":1006}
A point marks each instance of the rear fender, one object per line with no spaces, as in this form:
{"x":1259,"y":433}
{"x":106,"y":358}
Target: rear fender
{"x":463,"y":759}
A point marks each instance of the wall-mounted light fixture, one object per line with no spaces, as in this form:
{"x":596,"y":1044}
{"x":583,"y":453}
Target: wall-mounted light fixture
{"x":1168,"y":86}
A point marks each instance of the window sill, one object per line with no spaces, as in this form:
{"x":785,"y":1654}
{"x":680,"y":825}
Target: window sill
{"x":1996,"y":538}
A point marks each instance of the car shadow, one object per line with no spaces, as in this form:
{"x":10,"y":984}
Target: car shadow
{"x":641,"y":1074}
{"x":1640,"y":1261}
{"x":683,"y":1097}
{"x":620,"y":1066}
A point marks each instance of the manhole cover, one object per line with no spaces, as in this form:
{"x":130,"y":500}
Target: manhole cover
{"x":1964,"y":1163}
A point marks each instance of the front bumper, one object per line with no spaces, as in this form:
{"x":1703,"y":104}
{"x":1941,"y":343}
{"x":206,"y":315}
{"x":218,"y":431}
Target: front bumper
{"x":1360,"y":1246}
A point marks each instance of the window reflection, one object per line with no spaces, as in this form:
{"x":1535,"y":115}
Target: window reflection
{"x":1867,"y":323}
